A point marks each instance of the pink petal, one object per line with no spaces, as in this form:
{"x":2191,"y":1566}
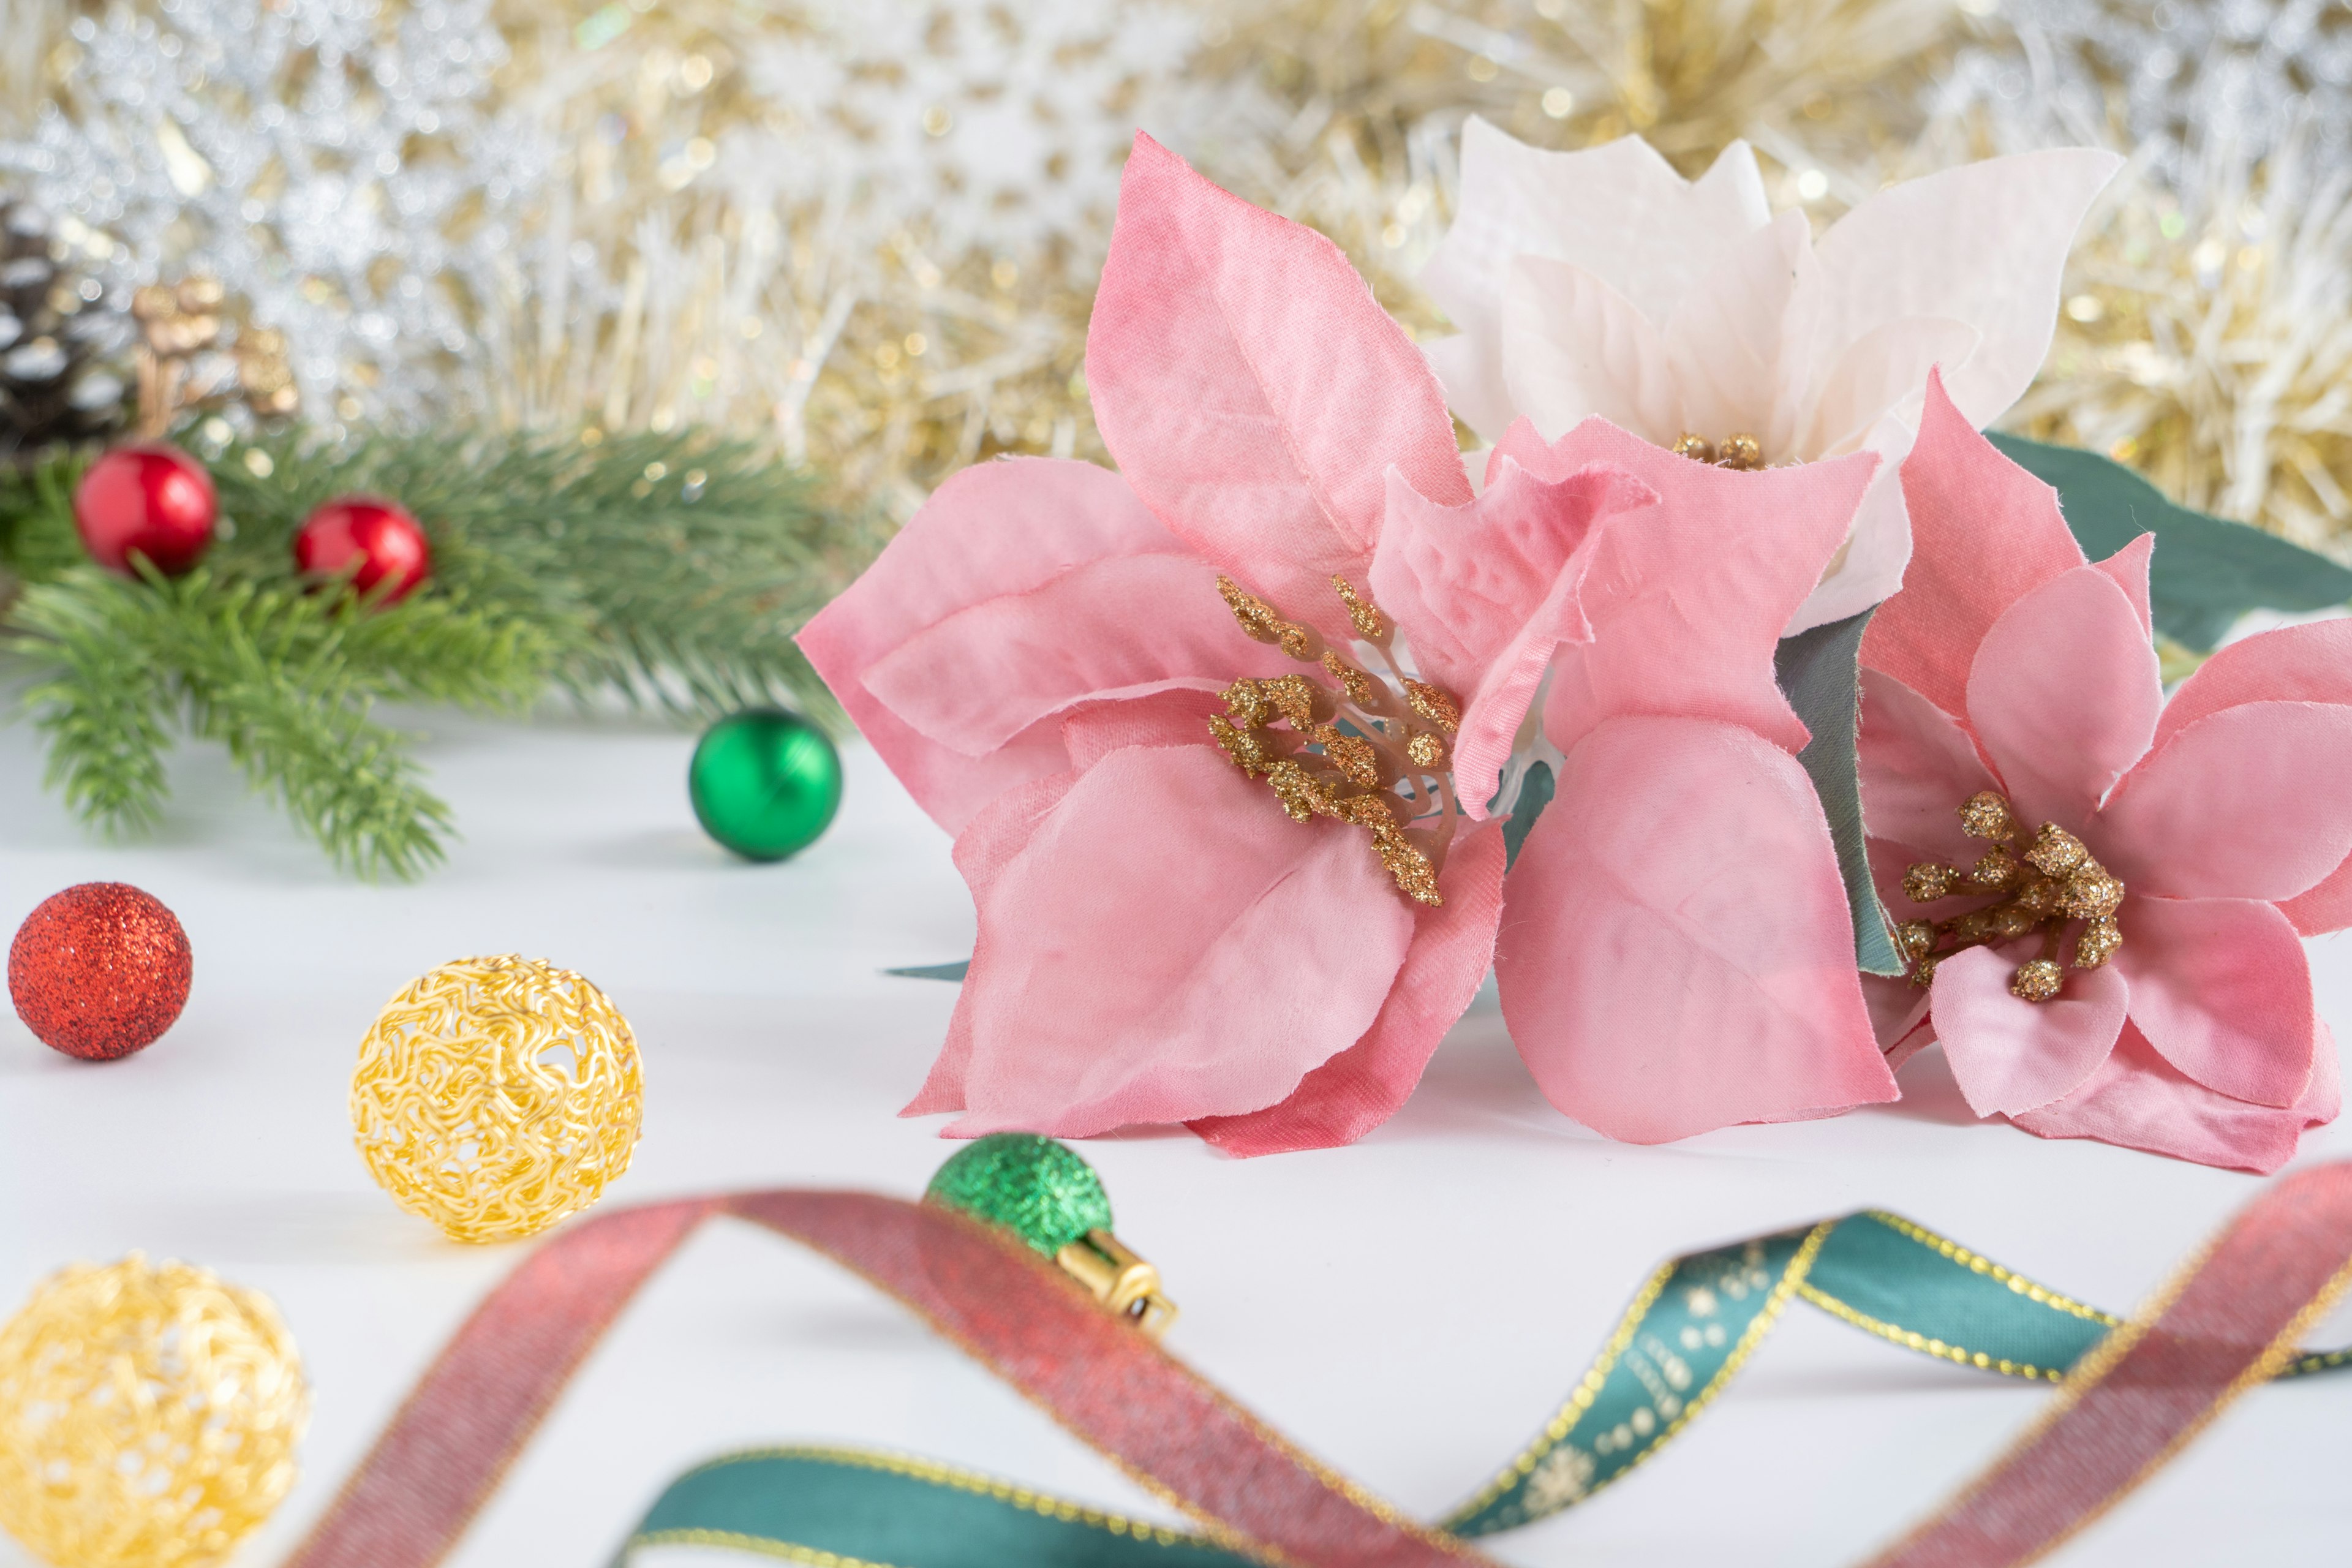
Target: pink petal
{"x":1093,"y":731}
{"x":1617,"y":211}
{"x":1486,"y":592}
{"x":2128,"y":568}
{"x":1898,"y":1012}
{"x":2221,"y":989}
{"x":2247,"y":804}
{"x":2326,"y":907}
{"x":1686,"y":604}
{"x":1252,"y":390}
{"x":1984,"y":532}
{"x":1742,"y":340}
{"x":1168,"y":945}
{"x":1983,"y":243}
{"x":2294,"y":664}
{"x":2064,"y":695}
{"x":1364,"y":1085}
{"x":2138,"y":1100}
{"x":2009,"y":1055}
{"x":1917,"y":766}
{"x":1882,"y":370}
{"x":1576,"y":349}
{"x":1122,"y":627}
{"x":1677,"y":953}
{"x":995,"y":530}
{"x":988,"y":844}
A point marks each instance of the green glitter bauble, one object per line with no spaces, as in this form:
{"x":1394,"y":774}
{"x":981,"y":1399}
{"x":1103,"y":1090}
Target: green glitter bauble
{"x":764,"y":783}
{"x":1032,"y":1186}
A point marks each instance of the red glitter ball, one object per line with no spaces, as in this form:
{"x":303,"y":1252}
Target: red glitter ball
{"x":99,"y":971}
{"x":372,"y":538}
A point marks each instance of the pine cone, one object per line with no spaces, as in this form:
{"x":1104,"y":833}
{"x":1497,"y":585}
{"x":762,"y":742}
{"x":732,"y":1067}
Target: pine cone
{"x":60,"y":341}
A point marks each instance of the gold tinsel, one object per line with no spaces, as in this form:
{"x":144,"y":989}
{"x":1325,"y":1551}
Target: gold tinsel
{"x":149,"y":1415}
{"x":2207,"y":338}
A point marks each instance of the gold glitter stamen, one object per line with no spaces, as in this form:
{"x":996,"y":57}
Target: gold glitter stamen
{"x":1344,"y":755}
{"x":1739,"y":450}
{"x":2053,"y":882}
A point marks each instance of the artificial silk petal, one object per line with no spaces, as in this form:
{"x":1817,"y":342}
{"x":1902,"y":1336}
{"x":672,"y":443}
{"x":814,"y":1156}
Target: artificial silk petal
{"x":1486,"y":592}
{"x":1675,"y":955}
{"x":2326,"y":907}
{"x":1248,"y":949}
{"x":2221,"y":989}
{"x":2064,"y":695}
{"x":1618,"y":211}
{"x":2248,"y":802}
{"x":1364,"y":1085}
{"x":1252,"y":390}
{"x":1578,"y":349}
{"x":2294,"y":664}
{"x":988,"y":843}
{"x":1124,"y":626}
{"x":1739,"y":342}
{"x":1917,"y":766}
{"x":2128,"y":568}
{"x":1985,"y":244}
{"x":2009,"y":1055}
{"x":2139,"y":1100}
{"x":995,"y":530}
{"x":1686,"y":603}
{"x":1883,"y":369}
{"x":1984,"y":532}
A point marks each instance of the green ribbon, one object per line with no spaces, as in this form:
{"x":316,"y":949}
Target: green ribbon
{"x":1690,"y":1330}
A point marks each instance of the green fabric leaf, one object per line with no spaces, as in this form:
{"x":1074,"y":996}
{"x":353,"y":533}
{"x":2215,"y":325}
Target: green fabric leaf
{"x":2206,"y":571}
{"x":1534,"y":793}
{"x":1820,"y":672}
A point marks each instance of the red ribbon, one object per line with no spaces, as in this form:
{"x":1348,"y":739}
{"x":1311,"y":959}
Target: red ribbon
{"x":2231,"y":1320}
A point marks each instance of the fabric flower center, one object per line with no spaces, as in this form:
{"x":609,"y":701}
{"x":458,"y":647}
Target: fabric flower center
{"x":2046,"y":886}
{"x":1739,"y":450}
{"x":1371,"y":751}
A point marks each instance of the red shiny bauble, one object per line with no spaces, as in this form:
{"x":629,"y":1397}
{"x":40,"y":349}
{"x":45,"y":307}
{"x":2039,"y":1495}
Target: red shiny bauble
{"x":155,"y":500}
{"x":99,"y":971}
{"x":378,"y":537}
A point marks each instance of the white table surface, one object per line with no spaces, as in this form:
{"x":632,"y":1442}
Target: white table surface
{"x":1409,"y":1310}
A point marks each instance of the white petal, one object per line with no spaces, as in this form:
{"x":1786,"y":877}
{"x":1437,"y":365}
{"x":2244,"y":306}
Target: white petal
{"x":1871,"y":565}
{"x":1573,"y":347}
{"x":1883,"y":371}
{"x":1982,"y":244}
{"x":1471,"y":375}
{"x":1741,"y":341}
{"x":1618,"y":210}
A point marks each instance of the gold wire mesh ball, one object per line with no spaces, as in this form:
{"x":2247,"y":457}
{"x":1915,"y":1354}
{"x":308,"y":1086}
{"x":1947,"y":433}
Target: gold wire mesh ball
{"x":149,"y":1415}
{"x":495,"y":1096}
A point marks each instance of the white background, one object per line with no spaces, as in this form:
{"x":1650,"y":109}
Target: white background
{"x":1409,"y":1310}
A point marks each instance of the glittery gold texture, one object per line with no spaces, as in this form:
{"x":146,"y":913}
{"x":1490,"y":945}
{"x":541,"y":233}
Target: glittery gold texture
{"x":495,"y":1096}
{"x":149,"y":1415}
{"x":1357,"y":755}
{"x":2055,"y":882}
{"x":1737,"y":450}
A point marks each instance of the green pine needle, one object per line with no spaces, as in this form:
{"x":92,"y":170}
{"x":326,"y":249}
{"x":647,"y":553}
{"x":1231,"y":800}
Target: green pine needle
{"x":673,"y":569}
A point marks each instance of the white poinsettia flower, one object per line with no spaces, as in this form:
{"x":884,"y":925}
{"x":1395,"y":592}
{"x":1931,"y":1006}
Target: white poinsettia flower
{"x":1603,"y":282}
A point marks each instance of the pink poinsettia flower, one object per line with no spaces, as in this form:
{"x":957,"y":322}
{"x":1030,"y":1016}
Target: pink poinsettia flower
{"x":2131,"y":971}
{"x":1270,"y":952}
{"x":1677,"y":953}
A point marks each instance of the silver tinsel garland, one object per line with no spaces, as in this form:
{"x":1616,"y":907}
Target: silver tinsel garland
{"x":331,"y":164}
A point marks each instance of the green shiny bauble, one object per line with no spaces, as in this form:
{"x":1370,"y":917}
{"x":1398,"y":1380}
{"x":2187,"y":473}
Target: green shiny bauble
{"x":1038,"y":1189}
{"x":764,"y":783}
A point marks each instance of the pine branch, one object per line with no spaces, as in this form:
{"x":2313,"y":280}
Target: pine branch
{"x":104,"y":705}
{"x":671,"y":569}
